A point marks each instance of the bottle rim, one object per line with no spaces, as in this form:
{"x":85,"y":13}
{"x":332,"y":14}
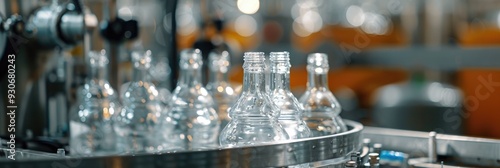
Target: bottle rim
{"x":219,"y":61}
{"x":98,"y":58}
{"x":193,"y":52}
{"x":318,"y":60}
{"x":279,"y":56}
{"x":191,"y":58}
{"x":141,"y":59}
{"x":254,"y":57}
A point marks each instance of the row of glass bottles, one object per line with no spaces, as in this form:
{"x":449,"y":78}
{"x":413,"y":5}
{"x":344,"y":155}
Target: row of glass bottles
{"x":270,"y":114}
{"x":189,"y":120}
{"x":99,"y":125}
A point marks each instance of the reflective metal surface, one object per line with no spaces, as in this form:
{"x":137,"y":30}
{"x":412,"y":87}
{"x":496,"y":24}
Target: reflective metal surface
{"x":291,"y":152}
{"x":469,"y":150}
{"x":58,"y":25}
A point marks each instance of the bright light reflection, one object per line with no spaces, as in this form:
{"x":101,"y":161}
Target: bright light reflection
{"x":127,"y":94}
{"x":153,"y":90}
{"x":130,"y":116}
{"x":307,"y":20}
{"x":375,"y":24}
{"x":125,"y":13}
{"x":450,"y":97}
{"x":443,"y":95}
{"x":111,"y":111}
{"x":434,"y":92}
{"x":229,"y":90}
{"x":311,"y":21}
{"x":202,"y":120}
{"x":498,"y":20}
{"x":392,"y":95}
{"x":105,"y":113}
{"x":245,"y":25}
{"x":355,"y":15}
{"x":186,"y":23}
{"x":181,"y":136}
{"x":299,"y":30}
{"x":248,"y":6}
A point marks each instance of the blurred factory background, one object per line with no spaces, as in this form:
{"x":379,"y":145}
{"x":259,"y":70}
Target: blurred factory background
{"x":420,"y":65}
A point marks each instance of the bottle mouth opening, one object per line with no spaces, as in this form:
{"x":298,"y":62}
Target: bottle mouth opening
{"x":318,"y":60}
{"x":98,"y":58}
{"x":191,"y":52}
{"x":219,"y":61}
{"x":191,"y":58}
{"x":279,"y":56}
{"x":224,"y":55}
{"x":254,"y":57}
{"x":141,"y":59}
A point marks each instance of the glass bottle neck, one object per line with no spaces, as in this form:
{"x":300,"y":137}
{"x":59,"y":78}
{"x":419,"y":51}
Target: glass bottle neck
{"x":190,"y":77}
{"x":140,"y":75}
{"x":218,"y":76}
{"x":97,"y":74}
{"x":280,"y":80}
{"x":317,"y":80}
{"x":254,"y":82}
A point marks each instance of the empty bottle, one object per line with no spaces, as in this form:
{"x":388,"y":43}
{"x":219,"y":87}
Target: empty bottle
{"x":140,"y":124}
{"x":321,"y":108}
{"x":218,"y":85}
{"x":195,"y":121}
{"x":254,"y":117}
{"x":160,"y":74}
{"x":291,"y":110}
{"x":91,"y":123}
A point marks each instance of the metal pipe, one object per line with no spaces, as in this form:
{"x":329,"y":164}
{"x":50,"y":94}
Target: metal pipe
{"x":432,"y":154}
{"x":173,"y":62}
{"x":112,"y":48}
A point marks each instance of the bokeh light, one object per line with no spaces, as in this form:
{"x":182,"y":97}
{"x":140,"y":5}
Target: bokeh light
{"x":245,"y":25}
{"x":248,"y":6}
{"x":355,"y":15}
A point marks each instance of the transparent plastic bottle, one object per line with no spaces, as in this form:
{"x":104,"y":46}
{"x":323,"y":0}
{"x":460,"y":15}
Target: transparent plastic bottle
{"x":91,"y":118}
{"x":291,"y":110}
{"x":254,"y":118}
{"x":196,"y":124}
{"x":321,"y":108}
{"x":218,"y":85}
{"x":140,"y":123}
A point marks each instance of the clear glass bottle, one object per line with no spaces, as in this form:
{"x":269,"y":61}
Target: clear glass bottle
{"x":195,"y":121}
{"x":160,"y":75}
{"x":291,"y":110}
{"x":218,"y":85}
{"x":321,"y":108}
{"x":254,"y":117}
{"x":91,"y":118}
{"x":140,"y":123}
